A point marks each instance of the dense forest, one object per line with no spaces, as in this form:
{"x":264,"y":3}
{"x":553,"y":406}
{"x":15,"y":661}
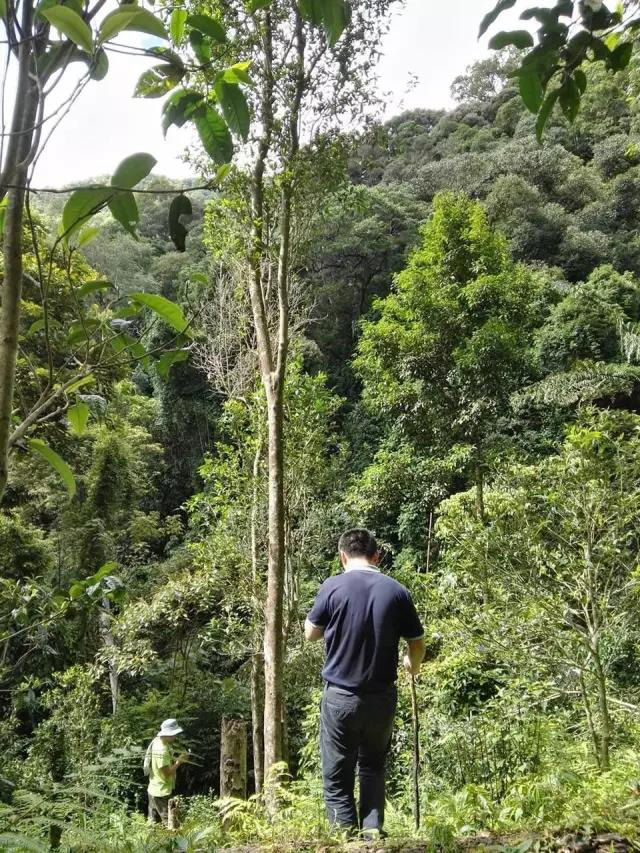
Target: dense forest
{"x":459,"y":368}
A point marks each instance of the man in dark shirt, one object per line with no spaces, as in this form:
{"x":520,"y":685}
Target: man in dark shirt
{"x":362,"y":615}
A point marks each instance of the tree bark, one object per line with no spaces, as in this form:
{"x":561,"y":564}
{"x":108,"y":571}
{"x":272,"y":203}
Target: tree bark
{"x":257,"y":659}
{"x":107,"y":638}
{"x":603,"y":705}
{"x":15,"y":171}
{"x":233,"y":758}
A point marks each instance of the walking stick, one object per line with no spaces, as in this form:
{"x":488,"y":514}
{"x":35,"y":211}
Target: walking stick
{"x":416,"y":753}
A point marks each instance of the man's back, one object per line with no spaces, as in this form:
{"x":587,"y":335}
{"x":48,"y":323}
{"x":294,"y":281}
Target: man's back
{"x":364,"y":614}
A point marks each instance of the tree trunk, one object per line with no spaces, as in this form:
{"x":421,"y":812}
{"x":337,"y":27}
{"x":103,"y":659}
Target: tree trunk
{"x":257,"y":659}
{"x":233,"y":758}
{"x":603,"y":704}
{"x":590,"y":724}
{"x":107,"y":638}
{"x":14,"y":171}
{"x":273,"y":645}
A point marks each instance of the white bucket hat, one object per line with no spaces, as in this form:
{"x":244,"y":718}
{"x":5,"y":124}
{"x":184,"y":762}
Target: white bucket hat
{"x":169,"y":728}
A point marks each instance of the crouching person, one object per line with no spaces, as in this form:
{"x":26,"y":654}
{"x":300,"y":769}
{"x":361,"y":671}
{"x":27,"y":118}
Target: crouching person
{"x":160,"y":766}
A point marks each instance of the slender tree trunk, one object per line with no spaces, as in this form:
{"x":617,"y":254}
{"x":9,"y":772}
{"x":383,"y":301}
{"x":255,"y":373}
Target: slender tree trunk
{"x":107,"y":638}
{"x":481,"y":516}
{"x":14,"y":171}
{"x":257,"y":658}
{"x":603,"y":705}
{"x":590,"y":724}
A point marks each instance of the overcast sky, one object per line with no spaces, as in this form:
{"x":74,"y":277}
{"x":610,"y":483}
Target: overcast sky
{"x":430,"y":39}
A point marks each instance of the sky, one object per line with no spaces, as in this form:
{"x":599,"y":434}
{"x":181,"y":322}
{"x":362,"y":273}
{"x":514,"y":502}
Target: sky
{"x":430,"y":39}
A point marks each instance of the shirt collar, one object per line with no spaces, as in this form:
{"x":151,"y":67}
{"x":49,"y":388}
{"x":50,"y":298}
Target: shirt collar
{"x":361,"y":564}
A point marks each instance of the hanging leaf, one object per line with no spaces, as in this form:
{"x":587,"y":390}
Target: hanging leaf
{"x":35,"y":327}
{"x":531,"y":91}
{"x":78,"y":417}
{"x":621,"y":56}
{"x":81,"y":206}
{"x":115,"y":22}
{"x":180,"y":206}
{"x":39,"y":448}
{"x":79,"y":383}
{"x":123,"y":342}
{"x":200,"y":46}
{"x":168,"y":359}
{"x":87,"y":236}
{"x":82,"y":330}
{"x":100,"y":66}
{"x":176,"y":27}
{"x":208,"y":26}
{"x":214,"y":134}
{"x":157,"y":81}
{"x":132,"y":170}
{"x":124,"y":209}
{"x":570,"y":99}
{"x":3,"y":213}
{"x":311,"y":10}
{"x":545,"y":111}
{"x":234,"y":106}
{"x":92,"y":287}
{"x":518,"y":38}
{"x":254,"y":5}
{"x":238,"y":73}
{"x":336,"y":15}
{"x":146,"y":22}
{"x":178,"y":108}
{"x":70,"y":24}
{"x":491,"y":16}
{"x":165,"y":309}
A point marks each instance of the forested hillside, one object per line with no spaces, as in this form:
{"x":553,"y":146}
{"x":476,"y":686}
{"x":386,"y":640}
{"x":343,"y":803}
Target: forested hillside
{"x":461,"y":378}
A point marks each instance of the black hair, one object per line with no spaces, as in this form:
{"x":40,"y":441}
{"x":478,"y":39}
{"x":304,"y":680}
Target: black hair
{"x":358,"y":542}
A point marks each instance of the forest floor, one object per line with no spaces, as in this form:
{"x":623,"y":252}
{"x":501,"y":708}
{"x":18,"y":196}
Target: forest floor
{"x":560,"y":842}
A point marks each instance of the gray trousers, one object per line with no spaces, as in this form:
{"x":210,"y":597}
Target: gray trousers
{"x":355,"y":728}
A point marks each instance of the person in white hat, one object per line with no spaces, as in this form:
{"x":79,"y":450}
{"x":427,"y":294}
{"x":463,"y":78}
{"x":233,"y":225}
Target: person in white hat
{"x":161,"y":768}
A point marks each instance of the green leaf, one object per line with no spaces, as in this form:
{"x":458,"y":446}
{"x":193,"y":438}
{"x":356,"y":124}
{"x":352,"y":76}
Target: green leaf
{"x":214,"y":134}
{"x":165,"y":309}
{"x":168,"y":359}
{"x":180,"y":206}
{"x":491,"y":16}
{"x":570,"y":99}
{"x":35,"y":327}
{"x":200,"y":46}
{"x":3,"y":213}
{"x":123,"y":342}
{"x":39,"y":448}
{"x":176,"y":27}
{"x":78,"y":416}
{"x":311,"y":10}
{"x":336,"y":15}
{"x":581,"y":79}
{"x":621,"y":56}
{"x":70,"y":24}
{"x":132,"y":170}
{"x":3,"y":8}
{"x":79,"y":383}
{"x":254,"y":5}
{"x":80,"y":331}
{"x":238,"y":73}
{"x":99,"y":67}
{"x":115,"y":22}
{"x":208,"y":26}
{"x":145,"y":22}
{"x":124,"y":209}
{"x":531,"y":91}
{"x":518,"y":38}
{"x":234,"y":106}
{"x":92,"y":287}
{"x":179,"y":107}
{"x":81,"y":206}
{"x":87,"y":236}
{"x":545,"y":112}
{"x":157,"y":81}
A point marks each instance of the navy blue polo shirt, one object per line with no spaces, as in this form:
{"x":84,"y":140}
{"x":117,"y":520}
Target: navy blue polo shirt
{"x":364,"y":614}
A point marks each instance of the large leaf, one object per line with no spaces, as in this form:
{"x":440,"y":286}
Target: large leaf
{"x":133,"y":169}
{"x":208,"y":26}
{"x":180,"y":206}
{"x":165,"y":309}
{"x":238,"y":73}
{"x":123,"y":342}
{"x":79,"y":383}
{"x":176,"y":27}
{"x":81,"y":206}
{"x":157,"y":81}
{"x":146,"y":22}
{"x":518,"y":38}
{"x":336,"y":15}
{"x":621,"y":56}
{"x":311,"y":10}
{"x":531,"y":91}
{"x":178,"y":108}
{"x":39,"y":448}
{"x":168,"y":359}
{"x":214,"y":134}
{"x":124,"y":209}
{"x":99,"y":67}
{"x":491,"y":16}
{"x":234,"y":106}
{"x":78,"y":417}
{"x":117,"y":21}
{"x":93,"y":286}
{"x":70,"y":24}
{"x":254,"y":5}
{"x":200,"y":46}
{"x":545,"y":111}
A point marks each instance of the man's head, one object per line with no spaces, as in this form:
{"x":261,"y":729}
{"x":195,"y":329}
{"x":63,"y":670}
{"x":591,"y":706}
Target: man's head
{"x":360,"y":544}
{"x":169,"y":730}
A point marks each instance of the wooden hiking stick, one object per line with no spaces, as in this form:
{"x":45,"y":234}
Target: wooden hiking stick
{"x":416,"y":753}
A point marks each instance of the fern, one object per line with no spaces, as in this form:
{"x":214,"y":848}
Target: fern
{"x":587,"y":381}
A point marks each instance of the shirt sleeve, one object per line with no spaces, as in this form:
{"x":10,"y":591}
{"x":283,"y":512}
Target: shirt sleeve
{"x":319,"y":613}
{"x":410,"y":624}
